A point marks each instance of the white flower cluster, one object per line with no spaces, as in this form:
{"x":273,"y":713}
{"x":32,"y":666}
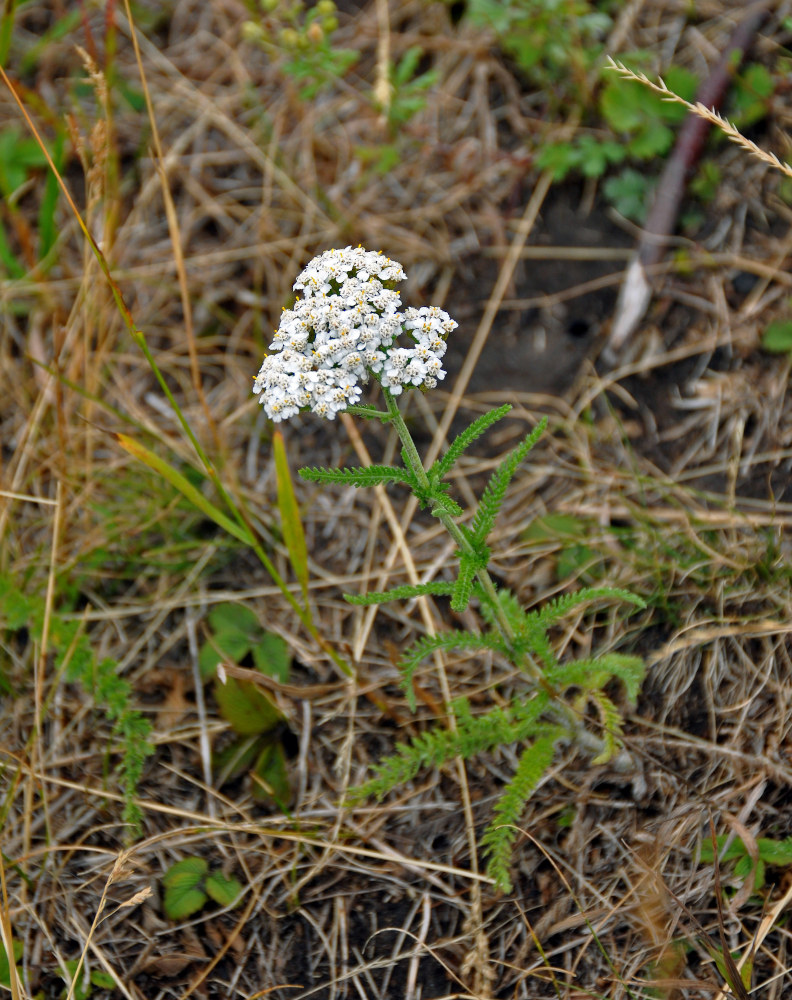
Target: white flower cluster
{"x":345,"y":327}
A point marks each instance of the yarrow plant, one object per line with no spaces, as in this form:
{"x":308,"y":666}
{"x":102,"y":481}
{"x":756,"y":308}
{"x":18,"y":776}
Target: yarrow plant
{"x":346,"y":329}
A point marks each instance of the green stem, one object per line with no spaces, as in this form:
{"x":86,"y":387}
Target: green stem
{"x":483,"y":577}
{"x":523,"y":660}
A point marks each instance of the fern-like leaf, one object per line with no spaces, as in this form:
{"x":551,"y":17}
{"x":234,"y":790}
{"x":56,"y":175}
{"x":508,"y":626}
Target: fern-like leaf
{"x":373,"y":475}
{"x":474,"y":734}
{"x":446,"y":462}
{"x":437,"y":588}
{"x":499,"y":836}
{"x":534,"y":635}
{"x":443,"y":640}
{"x":430,"y":748}
{"x":441,"y":501}
{"x":611,"y":726}
{"x":495,"y":490}
{"x":551,"y":612}
{"x":463,"y":587}
{"x":595,"y":672}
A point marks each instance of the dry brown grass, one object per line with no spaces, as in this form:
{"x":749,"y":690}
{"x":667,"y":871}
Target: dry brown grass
{"x":672,"y":472}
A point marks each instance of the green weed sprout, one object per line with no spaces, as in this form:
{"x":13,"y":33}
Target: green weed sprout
{"x":302,"y":36}
{"x":347,"y":327}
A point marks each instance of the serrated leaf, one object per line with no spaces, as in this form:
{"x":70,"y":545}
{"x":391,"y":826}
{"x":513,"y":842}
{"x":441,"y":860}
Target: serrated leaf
{"x":271,"y":778}
{"x":224,"y":891}
{"x":655,"y":139}
{"x":407,"y":591}
{"x":291,"y":522}
{"x":245,"y":707}
{"x":183,"y":882}
{"x":188,"y":871}
{"x":371,"y":475}
{"x":462,"y":441}
{"x":463,"y":587}
{"x":495,"y":490}
{"x":272,"y":656}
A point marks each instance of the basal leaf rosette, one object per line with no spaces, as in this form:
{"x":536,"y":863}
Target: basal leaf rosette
{"x":344,"y":328}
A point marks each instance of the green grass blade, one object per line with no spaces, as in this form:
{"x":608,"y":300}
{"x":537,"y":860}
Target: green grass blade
{"x":291,"y":522}
{"x":184,"y":486}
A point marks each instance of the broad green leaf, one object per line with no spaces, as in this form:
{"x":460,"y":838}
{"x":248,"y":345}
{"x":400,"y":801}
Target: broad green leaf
{"x":80,"y":990}
{"x":272,"y":657}
{"x":188,"y":871}
{"x":270,"y":777}
{"x":224,"y":891}
{"x":232,"y":646}
{"x":184,"y":486}
{"x":233,"y":617}
{"x":5,"y":968}
{"x":735,"y":850}
{"x":775,"y":852}
{"x":654,"y":139}
{"x":291,"y":523}
{"x":246,"y":707}
{"x":183,"y":882}
{"x":777,"y":338}
{"x":102,"y":980}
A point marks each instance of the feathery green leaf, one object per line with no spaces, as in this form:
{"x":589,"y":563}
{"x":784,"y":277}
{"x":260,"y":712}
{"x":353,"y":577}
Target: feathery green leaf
{"x":495,"y":490}
{"x":611,"y":726}
{"x":441,"y":501}
{"x":499,"y":836}
{"x":445,"y":463}
{"x":594,"y":673}
{"x":463,"y":587}
{"x":373,"y":475}
{"x":443,"y":640}
{"x":550,"y":613}
{"x":437,"y":588}
{"x":474,"y":734}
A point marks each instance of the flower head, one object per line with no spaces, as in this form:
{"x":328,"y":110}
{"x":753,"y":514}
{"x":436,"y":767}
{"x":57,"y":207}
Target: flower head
{"x":345,"y":328}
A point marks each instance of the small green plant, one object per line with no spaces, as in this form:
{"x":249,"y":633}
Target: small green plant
{"x":407,"y":95}
{"x":191,"y":883}
{"x":554,"y":42}
{"x":749,"y":99}
{"x":408,"y":88}
{"x":98,"y":678}
{"x":772,"y":853}
{"x":5,"y":967}
{"x":20,"y":158}
{"x":235,"y":633}
{"x":641,"y":127}
{"x":303,"y":37}
{"x":85,"y":985}
{"x":323,"y":351}
{"x":777,"y":337}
